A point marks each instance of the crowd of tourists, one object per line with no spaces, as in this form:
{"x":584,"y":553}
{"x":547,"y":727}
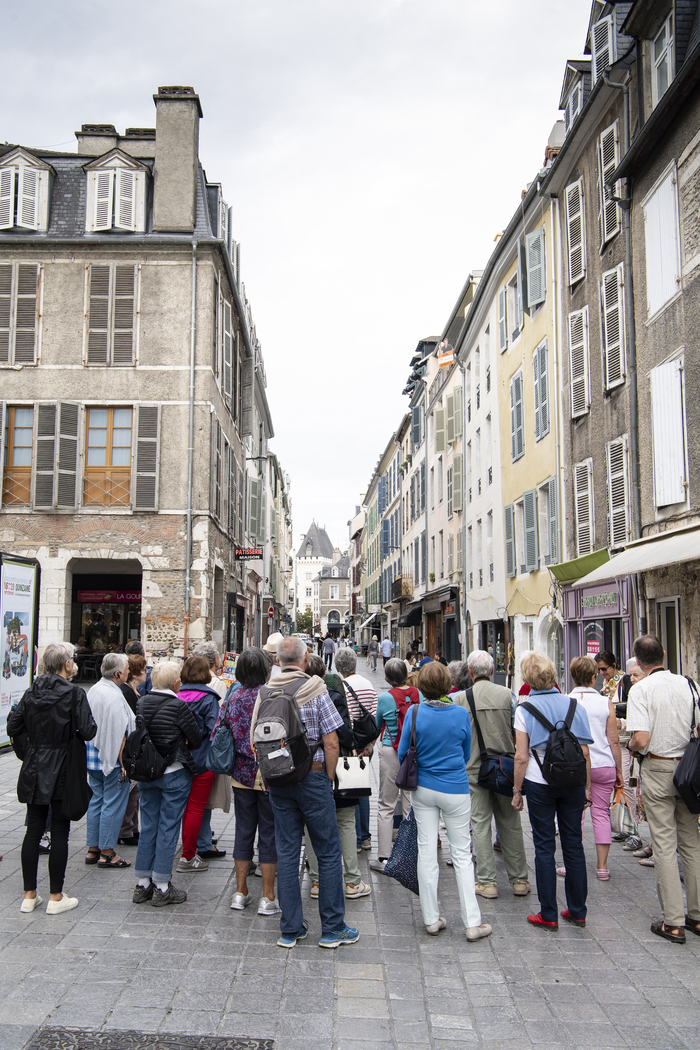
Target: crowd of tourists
{"x":476,"y":754}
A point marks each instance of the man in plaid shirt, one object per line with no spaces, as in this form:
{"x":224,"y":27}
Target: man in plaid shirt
{"x":310,"y":803}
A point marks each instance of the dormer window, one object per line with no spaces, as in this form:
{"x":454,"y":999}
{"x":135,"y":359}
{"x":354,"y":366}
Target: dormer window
{"x":334,"y":572}
{"x":662,"y":56}
{"x":24,"y":191}
{"x":574,"y":104}
{"x":116,"y":194}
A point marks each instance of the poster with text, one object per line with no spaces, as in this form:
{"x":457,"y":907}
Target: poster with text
{"x":18,"y":583}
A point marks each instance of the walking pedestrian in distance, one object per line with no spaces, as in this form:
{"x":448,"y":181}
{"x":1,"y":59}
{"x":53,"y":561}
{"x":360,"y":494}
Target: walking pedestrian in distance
{"x":328,"y":650}
{"x":373,"y":652}
{"x":387,"y":648}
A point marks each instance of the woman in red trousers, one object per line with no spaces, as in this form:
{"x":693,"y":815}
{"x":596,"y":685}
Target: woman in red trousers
{"x":204,"y":704}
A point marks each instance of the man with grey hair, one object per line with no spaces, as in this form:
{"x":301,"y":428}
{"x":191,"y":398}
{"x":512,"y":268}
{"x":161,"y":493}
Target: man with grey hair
{"x":211,"y":654}
{"x":106,"y":774}
{"x":493,"y":711}
{"x":362,"y":690}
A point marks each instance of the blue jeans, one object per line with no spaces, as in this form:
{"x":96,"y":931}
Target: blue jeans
{"x":163,"y":804}
{"x":107,"y":807}
{"x":544,"y":803}
{"x":362,"y":821}
{"x":204,"y":842}
{"x":311,"y":803}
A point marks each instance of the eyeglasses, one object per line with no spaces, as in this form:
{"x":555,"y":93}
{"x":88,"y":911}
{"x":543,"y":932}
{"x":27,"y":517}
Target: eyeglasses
{"x":602,"y":669}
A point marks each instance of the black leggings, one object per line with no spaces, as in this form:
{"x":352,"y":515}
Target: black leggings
{"x":58,"y":857}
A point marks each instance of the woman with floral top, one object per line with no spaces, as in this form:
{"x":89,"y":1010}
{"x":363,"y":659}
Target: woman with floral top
{"x":612,"y":675}
{"x":250,"y":798}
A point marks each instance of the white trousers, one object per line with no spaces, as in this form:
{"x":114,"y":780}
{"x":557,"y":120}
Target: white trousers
{"x":427,"y":805}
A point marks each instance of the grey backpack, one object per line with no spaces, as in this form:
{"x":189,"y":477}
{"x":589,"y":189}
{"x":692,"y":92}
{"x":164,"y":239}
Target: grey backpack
{"x":279,"y":735}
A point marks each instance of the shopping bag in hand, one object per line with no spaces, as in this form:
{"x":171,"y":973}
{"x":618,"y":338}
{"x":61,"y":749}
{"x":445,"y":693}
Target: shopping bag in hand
{"x":621,"y":819}
{"x":402,"y":865}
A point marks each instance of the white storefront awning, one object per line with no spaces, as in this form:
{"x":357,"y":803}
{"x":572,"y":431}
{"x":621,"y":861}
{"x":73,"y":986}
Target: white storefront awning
{"x":653,"y":552}
{"x":367,"y":621}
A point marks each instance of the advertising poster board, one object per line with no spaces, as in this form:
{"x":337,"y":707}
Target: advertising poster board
{"x":229,"y":672}
{"x":19,"y":606}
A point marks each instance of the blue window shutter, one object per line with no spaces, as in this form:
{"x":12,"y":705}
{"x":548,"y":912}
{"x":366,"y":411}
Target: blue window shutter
{"x":544,"y":389}
{"x":382,"y":494}
{"x":510,"y":540}
{"x":423,"y":557}
{"x":422,"y":486}
{"x":415,"y":425}
{"x":530,"y":530}
{"x":517,"y":431}
{"x":552,"y":527}
{"x":536,"y":389}
{"x":385,"y":538}
{"x":536,"y":267}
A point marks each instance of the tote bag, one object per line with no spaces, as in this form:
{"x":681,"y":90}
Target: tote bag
{"x":402,"y":865}
{"x":76,"y":791}
{"x":352,"y":777}
{"x":621,"y":819}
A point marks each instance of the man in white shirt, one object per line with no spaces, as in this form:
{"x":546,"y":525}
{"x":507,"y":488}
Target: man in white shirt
{"x":387,"y":648}
{"x":659,"y":716}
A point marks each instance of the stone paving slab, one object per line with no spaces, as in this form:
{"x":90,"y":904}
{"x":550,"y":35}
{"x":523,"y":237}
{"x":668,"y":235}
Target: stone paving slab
{"x":203,"y":970}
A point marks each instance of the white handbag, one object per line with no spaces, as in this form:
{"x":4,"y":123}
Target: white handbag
{"x":352,"y":777}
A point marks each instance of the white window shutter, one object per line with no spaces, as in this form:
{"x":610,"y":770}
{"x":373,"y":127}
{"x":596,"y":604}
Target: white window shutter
{"x":457,"y":491}
{"x":126,"y":199}
{"x":460,"y":551}
{"x":5,"y":310}
{"x":502,"y":320}
{"x":98,"y":314}
{"x":668,"y":434}
{"x":415,"y":426}
{"x":253,"y":508}
{"x":576,"y":241}
{"x":28,"y":198}
{"x":224,"y":482}
{"x":536,"y":392}
{"x":67,"y":481}
{"x":227,"y":351}
{"x":232,"y":495}
{"x":123,"y":315}
{"x":661,"y":233}
{"x":530,"y":530}
{"x":247,"y":377}
{"x":44,"y":466}
{"x":450,"y":418}
{"x":7,"y":197}
{"x":262,"y":533}
{"x":440,"y":430}
{"x":603,"y":46}
{"x":509,"y":529}
{"x":147,"y":458}
{"x":459,"y":411}
{"x":536,"y":267}
{"x":543,"y":388}
{"x":609,"y":158}
{"x":579,"y":362}
{"x":450,"y":554}
{"x":583,"y":500}
{"x":103,"y":199}
{"x":613,"y":297}
{"x":26,"y":298}
{"x":552,"y":522}
{"x":618,"y":492}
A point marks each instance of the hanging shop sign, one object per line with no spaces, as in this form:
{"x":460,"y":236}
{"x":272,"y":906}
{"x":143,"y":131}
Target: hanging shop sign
{"x":249,"y":553}
{"x":109,"y":596}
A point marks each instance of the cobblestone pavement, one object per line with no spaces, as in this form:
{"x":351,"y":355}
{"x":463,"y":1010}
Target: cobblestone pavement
{"x":203,"y":969}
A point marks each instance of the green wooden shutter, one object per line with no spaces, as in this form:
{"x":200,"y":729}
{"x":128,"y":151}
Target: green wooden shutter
{"x":530,"y":545}
{"x":509,"y":526}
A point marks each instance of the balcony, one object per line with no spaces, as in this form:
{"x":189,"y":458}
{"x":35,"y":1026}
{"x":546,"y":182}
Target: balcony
{"x":402,"y":587}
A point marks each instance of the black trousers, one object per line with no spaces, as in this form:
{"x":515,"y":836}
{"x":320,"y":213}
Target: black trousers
{"x":58,"y":857}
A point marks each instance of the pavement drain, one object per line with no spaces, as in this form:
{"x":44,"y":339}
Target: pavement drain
{"x":84,"y":1039}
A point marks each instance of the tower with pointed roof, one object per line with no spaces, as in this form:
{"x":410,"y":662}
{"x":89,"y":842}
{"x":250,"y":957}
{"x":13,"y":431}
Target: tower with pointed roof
{"x":315,"y":551}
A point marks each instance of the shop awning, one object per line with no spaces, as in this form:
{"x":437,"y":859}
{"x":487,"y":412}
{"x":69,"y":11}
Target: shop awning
{"x":570,"y":571}
{"x":369,"y":618}
{"x":412,"y":617}
{"x":653,"y":552}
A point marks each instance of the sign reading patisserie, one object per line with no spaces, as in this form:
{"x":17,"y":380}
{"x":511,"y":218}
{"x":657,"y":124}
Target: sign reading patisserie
{"x":248,"y":553}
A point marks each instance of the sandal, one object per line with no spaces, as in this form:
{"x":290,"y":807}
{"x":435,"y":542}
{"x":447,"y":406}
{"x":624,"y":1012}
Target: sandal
{"x":693,"y":925}
{"x":646,"y":851}
{"x":671,"y":933}
{"x":603,"y":874}
{"x":647,"y":862}
{"x":93,"y":855}
{"x":111,"y":860}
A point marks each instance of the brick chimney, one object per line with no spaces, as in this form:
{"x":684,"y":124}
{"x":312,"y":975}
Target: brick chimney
{"x":178,"y":113}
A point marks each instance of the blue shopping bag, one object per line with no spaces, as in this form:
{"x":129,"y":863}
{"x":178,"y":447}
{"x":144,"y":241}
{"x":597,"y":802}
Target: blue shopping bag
{"x":402,"y":865}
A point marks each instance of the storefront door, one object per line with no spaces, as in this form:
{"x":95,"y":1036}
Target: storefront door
{"x":667,"y":619}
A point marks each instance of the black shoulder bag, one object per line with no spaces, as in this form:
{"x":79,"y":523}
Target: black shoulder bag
{"x":76,"y":792}
{"x":364,"y":728}
{"x":686,"y":779}
{"x":496,"y":772}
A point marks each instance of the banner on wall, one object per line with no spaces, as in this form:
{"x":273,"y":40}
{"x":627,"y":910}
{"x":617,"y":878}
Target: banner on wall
{"x":19,"y":606}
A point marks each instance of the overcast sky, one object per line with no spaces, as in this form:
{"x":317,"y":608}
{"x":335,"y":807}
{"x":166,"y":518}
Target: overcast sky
{"x":370,"y":149}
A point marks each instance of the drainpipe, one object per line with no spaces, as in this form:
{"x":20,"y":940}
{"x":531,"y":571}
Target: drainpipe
{"x":190,"y":451}
{"x":465,"y":633}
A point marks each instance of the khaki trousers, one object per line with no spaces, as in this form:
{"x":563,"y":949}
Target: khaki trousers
{"x":671,"y":825}
{"x":345,"y":817}
{"x":485,"y":806}
{"x":388,"y":797}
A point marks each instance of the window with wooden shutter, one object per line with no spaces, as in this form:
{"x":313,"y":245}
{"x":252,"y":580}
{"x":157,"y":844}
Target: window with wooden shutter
{"x":111,"y":325}
{"x":103,"y":197}
{"x":668,"y":434}
{"x":613,"y":301}
{"x":541,"y":391}
{"x":7,"y":197}
{"x":108,"y":474}
{"x":123,"y":321}
{"x":28,"y":198}
{"x":262,"y":532}
{"x":458,"y":412}
{"x":125,"y":211}
{"x":415,"y":426}
{"x":225,"y":450}
{"x":147,"y":458}
{"x":530,"y":544}
{"x":662,"y":242}
{"x":449,"y":491}
{"x":116,"y":199}
{"x":517,"y":425}
{"x":19,"y":297}
{"x":382,"y":494}
{"x":24,"y":193}
{"x":608,"y":160}
{"x":536,"y":268}
{"x":618,"y":492}
{"x":579,"y":363}
{"x":575,"y":231}
{"x":422,"y":486}
{"x":509,"y":529}
{"x":413,"y":497}
{"x":450,"y":554}
{"x":573,"y":105}
{"x":460,"y":551}
{"x":552,"y":523}
{"x":602,"y":46}
{"x":16,"y":454}
{"x":583,"y":503}
{"x":247,"y":377}
{"x":457,"y":494}
{"x":45,"y":455}
{"x":450,"y":418}
{"x":440,"y":444}
{"x":227,"y":352}
{"x":68,"y":434}
{"x":423,"y":557}
{"x":502,"y":319}
{"x":232,"y":496}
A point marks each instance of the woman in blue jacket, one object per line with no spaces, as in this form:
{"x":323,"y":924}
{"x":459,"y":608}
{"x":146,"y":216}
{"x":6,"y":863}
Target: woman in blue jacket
{"x":203,"y":701}
{"x":443,"y":746}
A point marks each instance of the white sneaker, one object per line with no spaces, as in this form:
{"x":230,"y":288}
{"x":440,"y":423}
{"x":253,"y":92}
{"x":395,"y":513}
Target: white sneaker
{"x":196,"y":864}
{"x":269,"y":907}
{"x":239,"y":901}
{"x":65,"y":904}
{"x":314,"y":891}
{"x":360,"y":890}
{"x":30,"y":903}
{"x":377,"y":865}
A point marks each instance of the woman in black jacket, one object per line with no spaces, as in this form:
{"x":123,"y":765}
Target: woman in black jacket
{"x":173,"y":729}
{"x":44,"y":714}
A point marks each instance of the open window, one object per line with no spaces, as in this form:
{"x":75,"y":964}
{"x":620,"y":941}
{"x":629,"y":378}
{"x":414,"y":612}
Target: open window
{"x":116,"y":194}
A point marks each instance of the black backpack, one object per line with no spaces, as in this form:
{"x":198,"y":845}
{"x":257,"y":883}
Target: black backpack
{"x":141,"y":758}
{"x":564,"y":762}
{"x":279,"y":734}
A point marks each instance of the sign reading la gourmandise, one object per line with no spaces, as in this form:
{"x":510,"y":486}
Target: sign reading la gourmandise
{"x":248,"y":553}
{"x":603,"y":598}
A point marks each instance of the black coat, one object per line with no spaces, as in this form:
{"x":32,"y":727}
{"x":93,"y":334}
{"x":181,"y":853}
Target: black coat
{"x":171,"y":726}
{"x":45,"y":713}
{"x":130,"y":695}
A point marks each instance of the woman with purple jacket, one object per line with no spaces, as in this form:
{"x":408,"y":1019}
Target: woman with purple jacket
{"x":203,"y":701}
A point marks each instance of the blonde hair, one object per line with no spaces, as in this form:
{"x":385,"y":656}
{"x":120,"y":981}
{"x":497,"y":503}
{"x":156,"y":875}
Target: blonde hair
{"x":165,"y":674}
{"x":583,"y":668}
{"x":538,"y":671}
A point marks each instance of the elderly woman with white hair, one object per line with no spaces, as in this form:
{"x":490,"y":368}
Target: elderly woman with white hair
{"x":106,"y":774}
{"x":173,"y":729}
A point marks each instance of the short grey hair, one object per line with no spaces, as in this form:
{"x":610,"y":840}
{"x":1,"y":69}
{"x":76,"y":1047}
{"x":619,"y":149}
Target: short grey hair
{"x":209,"y":650}
{"x":455,"y":667}
{"x":395,"y":672}
{"x":346,"y":662}
{"x":55,"y":656}
{"x":112,"y":663}
{"x":632,"y":665}
{"x":291,"y":652}
{"x":480,"y":663}
{"x":165,"y":674}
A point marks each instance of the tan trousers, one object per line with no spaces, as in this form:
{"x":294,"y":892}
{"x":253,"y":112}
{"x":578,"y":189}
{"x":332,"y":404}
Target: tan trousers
{"x":485,"y":806}
{"x":345,"y":817}
{"x":671,"y":825}
{"x":388,"y":797}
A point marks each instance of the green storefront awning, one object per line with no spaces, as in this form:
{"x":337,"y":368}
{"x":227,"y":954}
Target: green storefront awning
{"x":570,"y":571}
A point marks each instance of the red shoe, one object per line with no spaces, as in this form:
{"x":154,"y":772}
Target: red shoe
{"x":537,"y":920}
{"x":569,"y":918}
